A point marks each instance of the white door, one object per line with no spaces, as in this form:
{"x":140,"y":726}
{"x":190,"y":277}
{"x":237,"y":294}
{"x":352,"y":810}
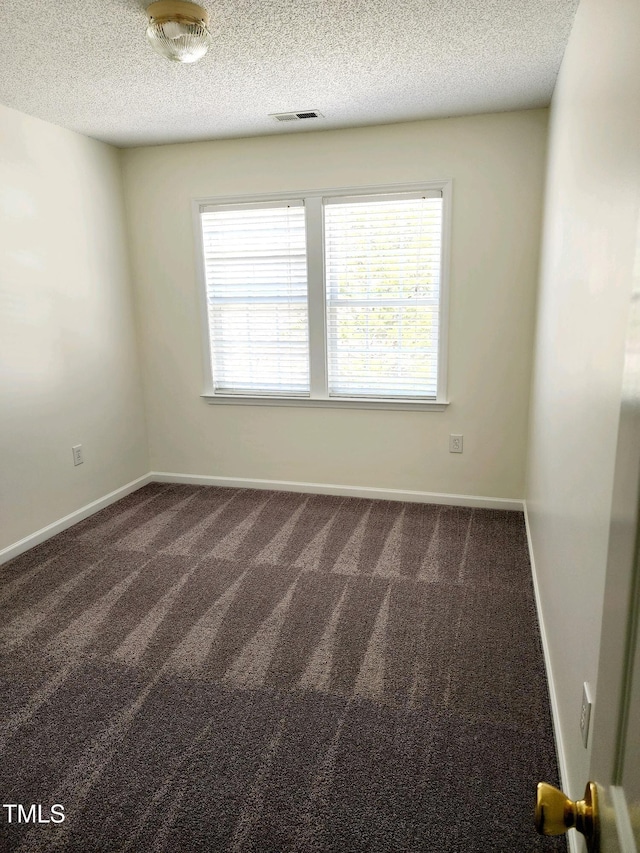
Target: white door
{"x":615,"y":754}
{"x":615,"y":730}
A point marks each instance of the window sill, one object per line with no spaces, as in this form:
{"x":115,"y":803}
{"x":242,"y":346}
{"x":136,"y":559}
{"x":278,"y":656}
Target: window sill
{"x":330,"y":403}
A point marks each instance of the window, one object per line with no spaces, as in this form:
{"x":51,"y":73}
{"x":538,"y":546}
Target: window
{"x":256,"y":274}
{"x":332,"y":299}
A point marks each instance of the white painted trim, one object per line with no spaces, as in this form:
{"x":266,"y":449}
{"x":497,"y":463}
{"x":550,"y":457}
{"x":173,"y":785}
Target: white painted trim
{"x":369,"y":492}
{"x":316,"y":298}
{"x":445,"y":290}
{"x":61,"y":524}
{"x":205,"y":337}
{"x":368,"y":190}
{"x":573,"y":840}
{"x":399,"y":404}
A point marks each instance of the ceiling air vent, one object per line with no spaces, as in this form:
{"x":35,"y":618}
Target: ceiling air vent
{"x":303,"y":114}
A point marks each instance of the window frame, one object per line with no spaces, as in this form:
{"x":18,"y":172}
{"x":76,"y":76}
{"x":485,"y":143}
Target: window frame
{"x":316,"y":290}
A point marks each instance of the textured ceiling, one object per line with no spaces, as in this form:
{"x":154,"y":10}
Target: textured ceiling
{"x":86,"y":64}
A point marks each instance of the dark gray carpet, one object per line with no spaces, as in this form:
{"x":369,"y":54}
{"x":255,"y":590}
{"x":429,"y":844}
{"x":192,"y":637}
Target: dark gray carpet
{"x":202,"y":669}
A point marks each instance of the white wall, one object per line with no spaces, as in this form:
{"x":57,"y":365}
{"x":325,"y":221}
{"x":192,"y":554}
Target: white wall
{"x":69,"y":361}
{"x":589,"y":246}
{"x":497,"y":166}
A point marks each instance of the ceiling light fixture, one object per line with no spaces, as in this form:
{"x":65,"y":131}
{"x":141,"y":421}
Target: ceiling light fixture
{"x":178,"y":30}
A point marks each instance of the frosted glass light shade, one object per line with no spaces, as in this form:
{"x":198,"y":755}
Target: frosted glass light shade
{"x":178,"y":30}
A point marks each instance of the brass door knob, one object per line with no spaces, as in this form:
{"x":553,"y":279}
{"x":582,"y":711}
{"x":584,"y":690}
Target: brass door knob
{"x":556,"y":813}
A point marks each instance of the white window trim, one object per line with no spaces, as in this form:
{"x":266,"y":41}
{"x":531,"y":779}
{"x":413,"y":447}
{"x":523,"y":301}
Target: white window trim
{"x":317,"y":306}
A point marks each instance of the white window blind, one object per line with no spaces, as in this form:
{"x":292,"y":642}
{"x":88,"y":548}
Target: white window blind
{"x":382,"y":268}
{"x":256,"y":288}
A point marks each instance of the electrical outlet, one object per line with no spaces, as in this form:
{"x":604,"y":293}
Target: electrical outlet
{"x":455,"y":444}
{"x":78,"y":458}
{"x":585,"y":713}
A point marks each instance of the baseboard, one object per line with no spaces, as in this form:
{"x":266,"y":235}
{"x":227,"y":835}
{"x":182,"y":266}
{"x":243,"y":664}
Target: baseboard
{"x":572,"y":838}
{"x":346,"y":491}
{"x":50,"y":530}
{"x":371,"y":492}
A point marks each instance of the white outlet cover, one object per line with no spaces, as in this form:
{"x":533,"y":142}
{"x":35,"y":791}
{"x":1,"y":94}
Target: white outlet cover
{"x":585,"y":713}
{"x":455,"y":443}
